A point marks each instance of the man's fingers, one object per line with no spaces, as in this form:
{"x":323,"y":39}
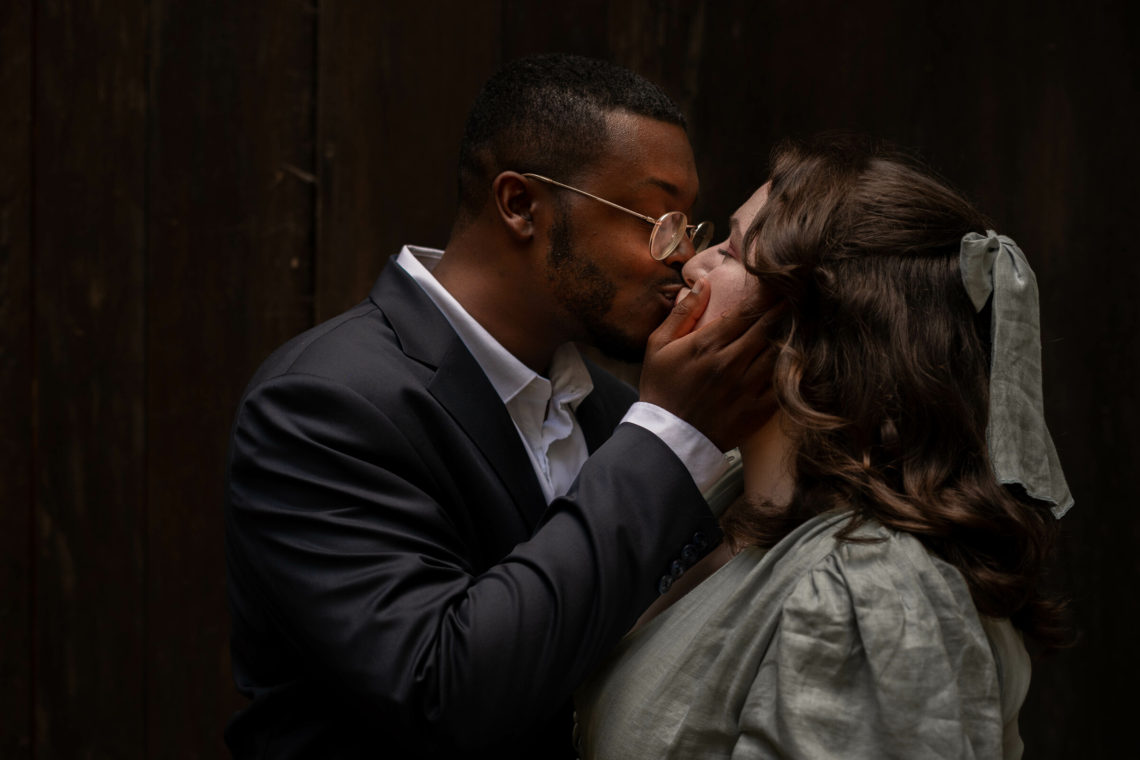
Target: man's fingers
{"x":753,"y":340}
{"x":685,"y":314}
{"x":736,"y":337}
{"x":747,"y":323}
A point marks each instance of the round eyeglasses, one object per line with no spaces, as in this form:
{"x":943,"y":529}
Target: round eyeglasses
{"x":669,"y":229}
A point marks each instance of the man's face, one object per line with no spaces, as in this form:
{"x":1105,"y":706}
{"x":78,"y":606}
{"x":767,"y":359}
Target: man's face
{"x":599,"y":266}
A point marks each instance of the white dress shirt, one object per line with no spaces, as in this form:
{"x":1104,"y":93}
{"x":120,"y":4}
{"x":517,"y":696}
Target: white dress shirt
{"x":543,"y":409}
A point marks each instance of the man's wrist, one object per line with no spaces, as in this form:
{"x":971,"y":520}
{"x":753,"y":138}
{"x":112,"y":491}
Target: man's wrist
{"x":705,"y":462}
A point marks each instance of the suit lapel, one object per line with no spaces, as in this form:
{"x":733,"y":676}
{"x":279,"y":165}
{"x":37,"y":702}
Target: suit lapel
{"x":464,"y":390}
{"x":597,"y":425}
{"x":600,"y":412}
{"x":460,"y":385}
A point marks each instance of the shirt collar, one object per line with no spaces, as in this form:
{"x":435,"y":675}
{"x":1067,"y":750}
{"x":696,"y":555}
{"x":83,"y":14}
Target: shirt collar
{"x":569,"y":381}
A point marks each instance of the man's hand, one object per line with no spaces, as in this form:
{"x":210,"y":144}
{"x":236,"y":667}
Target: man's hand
{"x":717,"y":378}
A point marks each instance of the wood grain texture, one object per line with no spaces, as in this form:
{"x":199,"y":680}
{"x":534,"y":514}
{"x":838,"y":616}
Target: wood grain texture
{"x":394,"y":91}
{"x":89,"y":231}
{"x":1065,"y":188}
{"x":16,"y":421}
{"x":230,"y":243}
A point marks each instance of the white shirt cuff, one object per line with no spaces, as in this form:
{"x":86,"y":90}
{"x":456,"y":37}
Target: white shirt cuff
{"x":704,"y":461}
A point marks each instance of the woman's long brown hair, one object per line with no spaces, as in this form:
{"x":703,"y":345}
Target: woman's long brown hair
{"x":882,"y":373}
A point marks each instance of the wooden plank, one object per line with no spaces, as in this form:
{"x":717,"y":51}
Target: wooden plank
{"x":580,"y":27}
{"x":1067,"y":177}
{"x":90,"y":99}
{"x":393,"y":96}
{"x":16,"y":577}
{"x":231,"y":236}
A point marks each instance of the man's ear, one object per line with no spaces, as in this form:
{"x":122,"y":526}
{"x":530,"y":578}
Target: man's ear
{"x":515,"y":204}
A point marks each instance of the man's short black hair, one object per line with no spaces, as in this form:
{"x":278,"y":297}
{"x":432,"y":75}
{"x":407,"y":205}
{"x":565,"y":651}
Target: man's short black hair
{"x":546,"y":114}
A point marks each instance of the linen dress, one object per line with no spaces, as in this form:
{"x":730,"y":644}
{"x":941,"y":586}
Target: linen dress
{"x":816,"y":648}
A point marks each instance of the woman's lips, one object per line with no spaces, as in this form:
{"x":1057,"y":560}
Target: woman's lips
{"x":681,"y":293}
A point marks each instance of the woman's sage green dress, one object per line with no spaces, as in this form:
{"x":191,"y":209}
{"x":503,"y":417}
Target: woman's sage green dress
{"x":815,"y":649}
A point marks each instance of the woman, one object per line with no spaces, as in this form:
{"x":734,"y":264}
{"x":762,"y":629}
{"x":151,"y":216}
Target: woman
{"x":876,"y":577}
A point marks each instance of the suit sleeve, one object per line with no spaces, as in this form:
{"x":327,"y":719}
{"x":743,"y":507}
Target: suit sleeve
{"x":335,"y":528}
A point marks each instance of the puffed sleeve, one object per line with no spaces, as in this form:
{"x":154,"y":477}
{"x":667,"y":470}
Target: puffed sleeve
{"x":879,"y":653}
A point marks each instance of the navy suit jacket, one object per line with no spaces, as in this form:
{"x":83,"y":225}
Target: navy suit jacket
{"x":398,"y":586}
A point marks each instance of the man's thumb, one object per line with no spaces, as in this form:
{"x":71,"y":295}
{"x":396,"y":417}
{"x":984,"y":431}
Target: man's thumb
{"x":686,"y":312}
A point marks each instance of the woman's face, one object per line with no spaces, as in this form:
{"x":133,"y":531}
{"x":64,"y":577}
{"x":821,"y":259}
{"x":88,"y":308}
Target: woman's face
{"x":729,"y":282}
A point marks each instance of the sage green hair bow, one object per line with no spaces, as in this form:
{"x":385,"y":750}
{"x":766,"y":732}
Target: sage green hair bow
{"x":1021,"y":449}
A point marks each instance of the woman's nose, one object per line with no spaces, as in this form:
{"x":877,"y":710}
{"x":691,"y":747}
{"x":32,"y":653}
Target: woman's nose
{"x":700,"y":265}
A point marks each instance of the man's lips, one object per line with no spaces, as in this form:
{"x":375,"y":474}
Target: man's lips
{"x":673,"y":292}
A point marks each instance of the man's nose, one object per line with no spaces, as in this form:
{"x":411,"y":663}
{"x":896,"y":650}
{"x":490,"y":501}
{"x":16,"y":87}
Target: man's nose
{"x":682,"y":255}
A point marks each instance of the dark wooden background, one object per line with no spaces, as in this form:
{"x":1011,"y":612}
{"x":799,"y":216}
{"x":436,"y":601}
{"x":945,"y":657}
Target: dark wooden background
{"x":183,"y":186}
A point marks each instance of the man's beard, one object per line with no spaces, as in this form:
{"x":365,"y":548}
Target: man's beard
{"x":585,"y":291}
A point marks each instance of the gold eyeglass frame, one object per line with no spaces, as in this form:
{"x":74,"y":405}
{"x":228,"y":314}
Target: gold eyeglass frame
{"x":692,"y":231}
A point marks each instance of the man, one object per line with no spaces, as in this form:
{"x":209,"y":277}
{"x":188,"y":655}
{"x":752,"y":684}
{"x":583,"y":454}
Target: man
{"x":433,"y":529}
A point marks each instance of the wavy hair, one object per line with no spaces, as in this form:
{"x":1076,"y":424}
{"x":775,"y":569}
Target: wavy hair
{"x":882,"y":373}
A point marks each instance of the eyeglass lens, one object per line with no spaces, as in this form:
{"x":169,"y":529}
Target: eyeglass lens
{"x":667,"y":235}
{"x":668,"y":232}
{"x":702,"y":236}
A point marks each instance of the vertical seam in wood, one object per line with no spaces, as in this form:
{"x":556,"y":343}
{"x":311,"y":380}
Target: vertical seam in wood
{"x":33,"y":392}
{"x":144,"y":497}
{"x":316,"y":234}
{"x":504,"y":37}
